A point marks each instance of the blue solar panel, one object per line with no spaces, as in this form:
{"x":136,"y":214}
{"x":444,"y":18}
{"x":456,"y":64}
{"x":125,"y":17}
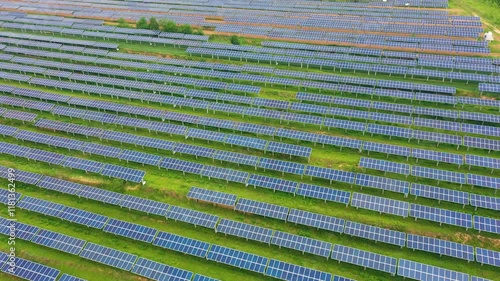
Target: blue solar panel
{"x":159,"y":271}
{"x":440,"y":194}
{"x":83,"y":217}
{"x":364,"y":259}
{"x":291,"y":272}
{"x":379,"y":204}
{"x":490,"y":257}
{"x":108,"y":256}
{"x":374,"y":233}
{"x":181,"y":244}
{"x":316,"y":220}
{"x":66,"y":277}
{"x":475,"y":278}
{"x":439,"y":175}
{"x":481,"y":161}
{"x":40,"y":206}
{"x":130,"y":230}
{"x":98,"y":194}
{"x":59,"y":241}
{"x":261,"y":208}
{"x":486,"y":202}
{"x":23,"y":231}
{"x":282,"y":166}
{"x":272,"y":183}
{"x":59,"y":185}
{"x":483,"y":181}
{"x":237,"y":258}
{"x":301,"y":243}
{"x":421,"y":271}
{"x":330,"y":174}
{"x":124,"y":173}
{"x":487,"y":224}
{"x":441,"y":247}
{"x":386,"y":148}
{"x":440,"y":215}
{"x":383,"y":183}
{"x":247,"y":231}
{"x":323,"y":193}
{"x":32,"y":271}
{"x":144,"y":205}
{"x":192,"y":217}
{"x":211,"y":196}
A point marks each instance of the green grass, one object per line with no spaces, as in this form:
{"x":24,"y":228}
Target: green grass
{"x":171,"y":187}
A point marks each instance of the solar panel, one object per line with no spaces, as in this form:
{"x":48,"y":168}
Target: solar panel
{"x":386,"y":148}
{"x":482,"y":161}
{"x":439,"y":175}
{"x":211,"y":196}
{"x":475,"y":278}
{"x":364,"y":258}
{"x":440,"y":194}
{"x":421,"y":271}
{"x":108,"y":256}
{"x":287,"y":271}
{"x":483,"y":181}
{"x":262,"y":209}
{"x":32,"y":271}
{"x":316,"y":220}
{"x":98,"y":194}
{"x":486,"y":202}
{"x":379,"y":204}
{"x":323,"y":193}
{"x":23,"y":231}
{"x":243,"y":230}
{"x":301,"y":243}
{"x":199,"y":277}
{"x":66,"y":277}
{"x":40,"y":206}
{"x":383,"y":183}
{"x":282,"y":166}
{"x":192,"y":217}
{"x":124,"y":173}
{"x":181,"y":244}
{"x":159,"y":271}
{"x":130,"y":230}
{"x":437,"y":156}
{"x":490,"y":257}
{"x":237,"y":258}
{"x":59,"y":241}
{"x":144,"y":205}
{"x":487,"y":224}
{"x":441,"y":247}
{"x":272,"y":183}
{"x":374,"y":233}
{"x":88,"y":219}
{"x":441,"y":215}
{"x":330,"y":174}
{"x":59,"y":185}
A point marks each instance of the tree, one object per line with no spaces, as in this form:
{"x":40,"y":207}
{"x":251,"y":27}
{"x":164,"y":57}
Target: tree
{"x":168,"y":26}
{"x":153,"y":24}
{"x":123,"y":23}
{"x":235,"y":40}
{"x":142,"y":23}
{"x":186,"y":29}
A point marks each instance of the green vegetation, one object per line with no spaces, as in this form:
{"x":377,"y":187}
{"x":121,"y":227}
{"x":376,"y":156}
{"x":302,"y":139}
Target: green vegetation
{"x":186,"y":29}
{"x":142,"y":23}
{"x":168,"y":25}
{"x":153,"y":24}
{"x":235,"y":40}
{"x":123,"y":23}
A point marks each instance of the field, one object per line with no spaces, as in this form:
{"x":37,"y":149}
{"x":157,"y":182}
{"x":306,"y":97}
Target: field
{"x":171,"y":187}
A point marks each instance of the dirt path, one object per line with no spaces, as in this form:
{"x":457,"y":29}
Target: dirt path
{"x":488,"y":24}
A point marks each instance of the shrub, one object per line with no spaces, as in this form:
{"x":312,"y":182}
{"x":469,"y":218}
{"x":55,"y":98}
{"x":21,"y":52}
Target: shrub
{"x":142,"y":23}
{"x":235,"y":40}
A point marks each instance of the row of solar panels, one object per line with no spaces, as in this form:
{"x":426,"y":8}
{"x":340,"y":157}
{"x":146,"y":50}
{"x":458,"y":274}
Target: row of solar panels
{"x":36,"y":272}
{"x":32,"y":271}
{"x":206,"y":250}
{"x":490,"y":88}
{"x":138,"y":232}
{"x":343,"y":24}
{"x":407,"y":72}
{"x":18,"y":66}
{"x":106,"y":28}
{"x":251,"y":179}
{"x":104,"y":169}
{"x":488,"y":144}
{"x":194,"y":247}
{"x":215,"y":106}
{"x":428,"y":173}
{"x":391,"y":131}
{"x":387,"y":54}
{"x":339,"y":81}
{"x":356,"y":39}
